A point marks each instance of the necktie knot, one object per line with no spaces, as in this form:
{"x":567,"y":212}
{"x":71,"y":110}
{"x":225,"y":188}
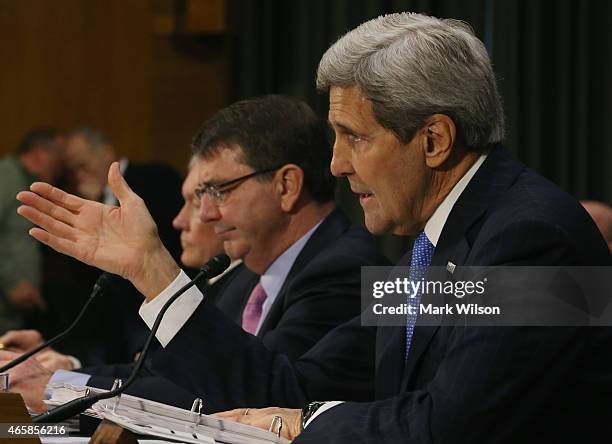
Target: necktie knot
{"x":422,"y":251}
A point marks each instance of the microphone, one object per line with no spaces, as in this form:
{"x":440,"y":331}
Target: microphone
{"x":212,"y":268}
{"x":101,"y":283}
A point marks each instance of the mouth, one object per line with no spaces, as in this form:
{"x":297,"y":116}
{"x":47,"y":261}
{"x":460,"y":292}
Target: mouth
{"x":364,"y":197}
{"x":222,"y":232}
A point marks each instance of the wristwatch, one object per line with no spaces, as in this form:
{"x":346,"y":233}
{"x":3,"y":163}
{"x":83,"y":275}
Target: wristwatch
{"x":309,"y":411}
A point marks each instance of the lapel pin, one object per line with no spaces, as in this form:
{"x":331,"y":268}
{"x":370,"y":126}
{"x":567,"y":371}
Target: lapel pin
{"x":450,"y":267}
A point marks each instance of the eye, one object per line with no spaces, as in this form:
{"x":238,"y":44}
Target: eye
{"x":218,"y":195}
{"x":354,"y":137}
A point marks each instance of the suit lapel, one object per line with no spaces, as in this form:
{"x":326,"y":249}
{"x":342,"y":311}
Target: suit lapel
{"x":390,"y":343}
{"x":233,"y":297}
{"x":330,"y":229}
{"x":494,"y":176}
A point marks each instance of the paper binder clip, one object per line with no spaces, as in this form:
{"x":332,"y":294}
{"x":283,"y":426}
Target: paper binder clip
{"x":196,"y":408}
{"x":116,"y":384}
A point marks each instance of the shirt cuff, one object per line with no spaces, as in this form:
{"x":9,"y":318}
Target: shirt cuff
{"x":178,"y":313}
{"x":325,"y":407}
{"x":76,"y":364}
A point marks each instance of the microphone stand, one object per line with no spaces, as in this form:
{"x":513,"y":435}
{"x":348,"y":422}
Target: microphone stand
{"x":99,"y":286}
{"x":214,"y":267}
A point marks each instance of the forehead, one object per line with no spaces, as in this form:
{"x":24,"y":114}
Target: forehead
{"x":223,"y":164}
{"x":349,"y":109}
{"x":191,"y":181}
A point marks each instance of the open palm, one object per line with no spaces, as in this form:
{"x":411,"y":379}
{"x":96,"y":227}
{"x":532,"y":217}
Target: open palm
{"x":122,"y":240}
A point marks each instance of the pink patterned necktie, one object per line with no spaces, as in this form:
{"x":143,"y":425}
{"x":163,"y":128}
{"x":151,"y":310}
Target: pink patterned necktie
{"x":252,"y":312}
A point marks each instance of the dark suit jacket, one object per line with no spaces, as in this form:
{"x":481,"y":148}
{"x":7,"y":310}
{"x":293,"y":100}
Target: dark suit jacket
{"x":321,"y":291}
{"x":459,"y":384}
{"x":159,"y":186}
{"x":151,"y":385}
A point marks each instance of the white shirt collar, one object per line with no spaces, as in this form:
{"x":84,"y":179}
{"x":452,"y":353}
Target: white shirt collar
{"x":435,"y":224}
{"x":233,"y":265}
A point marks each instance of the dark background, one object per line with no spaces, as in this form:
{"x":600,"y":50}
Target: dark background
{"x":149,"y":72}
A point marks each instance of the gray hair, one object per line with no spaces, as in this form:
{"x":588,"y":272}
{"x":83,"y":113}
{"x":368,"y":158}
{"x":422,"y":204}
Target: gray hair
{"x":411,"y":66}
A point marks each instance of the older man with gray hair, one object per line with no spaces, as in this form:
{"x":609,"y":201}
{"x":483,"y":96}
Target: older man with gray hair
{"x":418,"y":124}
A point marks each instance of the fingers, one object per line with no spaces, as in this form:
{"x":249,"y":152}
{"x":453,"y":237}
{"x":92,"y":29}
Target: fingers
{"x":58,"y":243}
{"x":231,"y":414}
{"x":8,"y":355}
{"x":24,"y":339}
{"x":53,"y":361}
{"x":118,"y":184}
{"x":48,"y":223}
{"x":60,"y":197}
{"x":42,"y":204}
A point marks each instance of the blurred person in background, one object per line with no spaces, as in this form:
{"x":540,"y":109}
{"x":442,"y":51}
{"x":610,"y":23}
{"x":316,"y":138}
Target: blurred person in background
{"x":37,"y":157}
{"x":67,"y":283}
{"x":199,"y":245}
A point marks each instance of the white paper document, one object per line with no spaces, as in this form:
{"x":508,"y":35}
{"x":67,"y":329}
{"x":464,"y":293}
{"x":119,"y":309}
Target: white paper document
{"x":152,"y":418}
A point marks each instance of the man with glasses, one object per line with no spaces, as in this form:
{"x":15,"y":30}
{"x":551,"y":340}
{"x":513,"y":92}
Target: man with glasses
{"x":266,"y":189}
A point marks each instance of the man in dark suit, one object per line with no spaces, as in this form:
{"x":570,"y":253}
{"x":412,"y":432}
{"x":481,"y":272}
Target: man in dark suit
{"x":268,"y":193}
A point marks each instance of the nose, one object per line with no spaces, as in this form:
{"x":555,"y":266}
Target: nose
{"x":209,"y":212}
{"x":180,"y":221}
{"x":341,"y":160}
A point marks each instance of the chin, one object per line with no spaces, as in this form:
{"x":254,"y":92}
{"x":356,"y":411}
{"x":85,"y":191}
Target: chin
{"x":191,"y":262}
{"x":235,"y":250}
{"x":377,"y":225}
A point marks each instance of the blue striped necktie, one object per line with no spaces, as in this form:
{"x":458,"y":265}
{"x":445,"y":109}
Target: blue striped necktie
{"x":422,"y":252}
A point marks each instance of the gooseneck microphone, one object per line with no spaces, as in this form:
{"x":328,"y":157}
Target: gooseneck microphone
{"x":212,"y":268}
{"x":100,"y":285}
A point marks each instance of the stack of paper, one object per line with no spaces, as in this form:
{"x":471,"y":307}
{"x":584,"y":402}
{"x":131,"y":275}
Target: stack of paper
{"x":155,"y":419}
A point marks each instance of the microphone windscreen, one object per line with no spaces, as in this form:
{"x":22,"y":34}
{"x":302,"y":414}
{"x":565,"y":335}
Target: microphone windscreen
{"x":216,"y":266}
{"x":104,"y":280}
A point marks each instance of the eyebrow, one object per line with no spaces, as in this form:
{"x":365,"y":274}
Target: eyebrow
{"x":342,"y":126}
{"x":210,"y":183}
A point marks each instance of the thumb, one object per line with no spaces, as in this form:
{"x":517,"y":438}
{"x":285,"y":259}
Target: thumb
{"x":118,"y":184}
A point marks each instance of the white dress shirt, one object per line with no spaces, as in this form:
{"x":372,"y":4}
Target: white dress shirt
{"x":181,"y":310}
{"x":80,"y":379}
{"x":433,"y":229}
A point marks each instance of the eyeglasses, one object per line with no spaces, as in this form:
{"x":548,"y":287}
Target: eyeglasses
{"x":218,"y":193}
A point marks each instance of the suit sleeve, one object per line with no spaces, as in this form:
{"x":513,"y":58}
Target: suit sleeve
{"x":484,"y":374}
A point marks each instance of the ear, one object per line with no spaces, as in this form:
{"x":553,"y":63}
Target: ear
{"x":289,"y":182}
{"x":440,"y":133}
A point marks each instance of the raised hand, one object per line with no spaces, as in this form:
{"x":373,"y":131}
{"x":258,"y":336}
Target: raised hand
{"x":122,"y":240}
